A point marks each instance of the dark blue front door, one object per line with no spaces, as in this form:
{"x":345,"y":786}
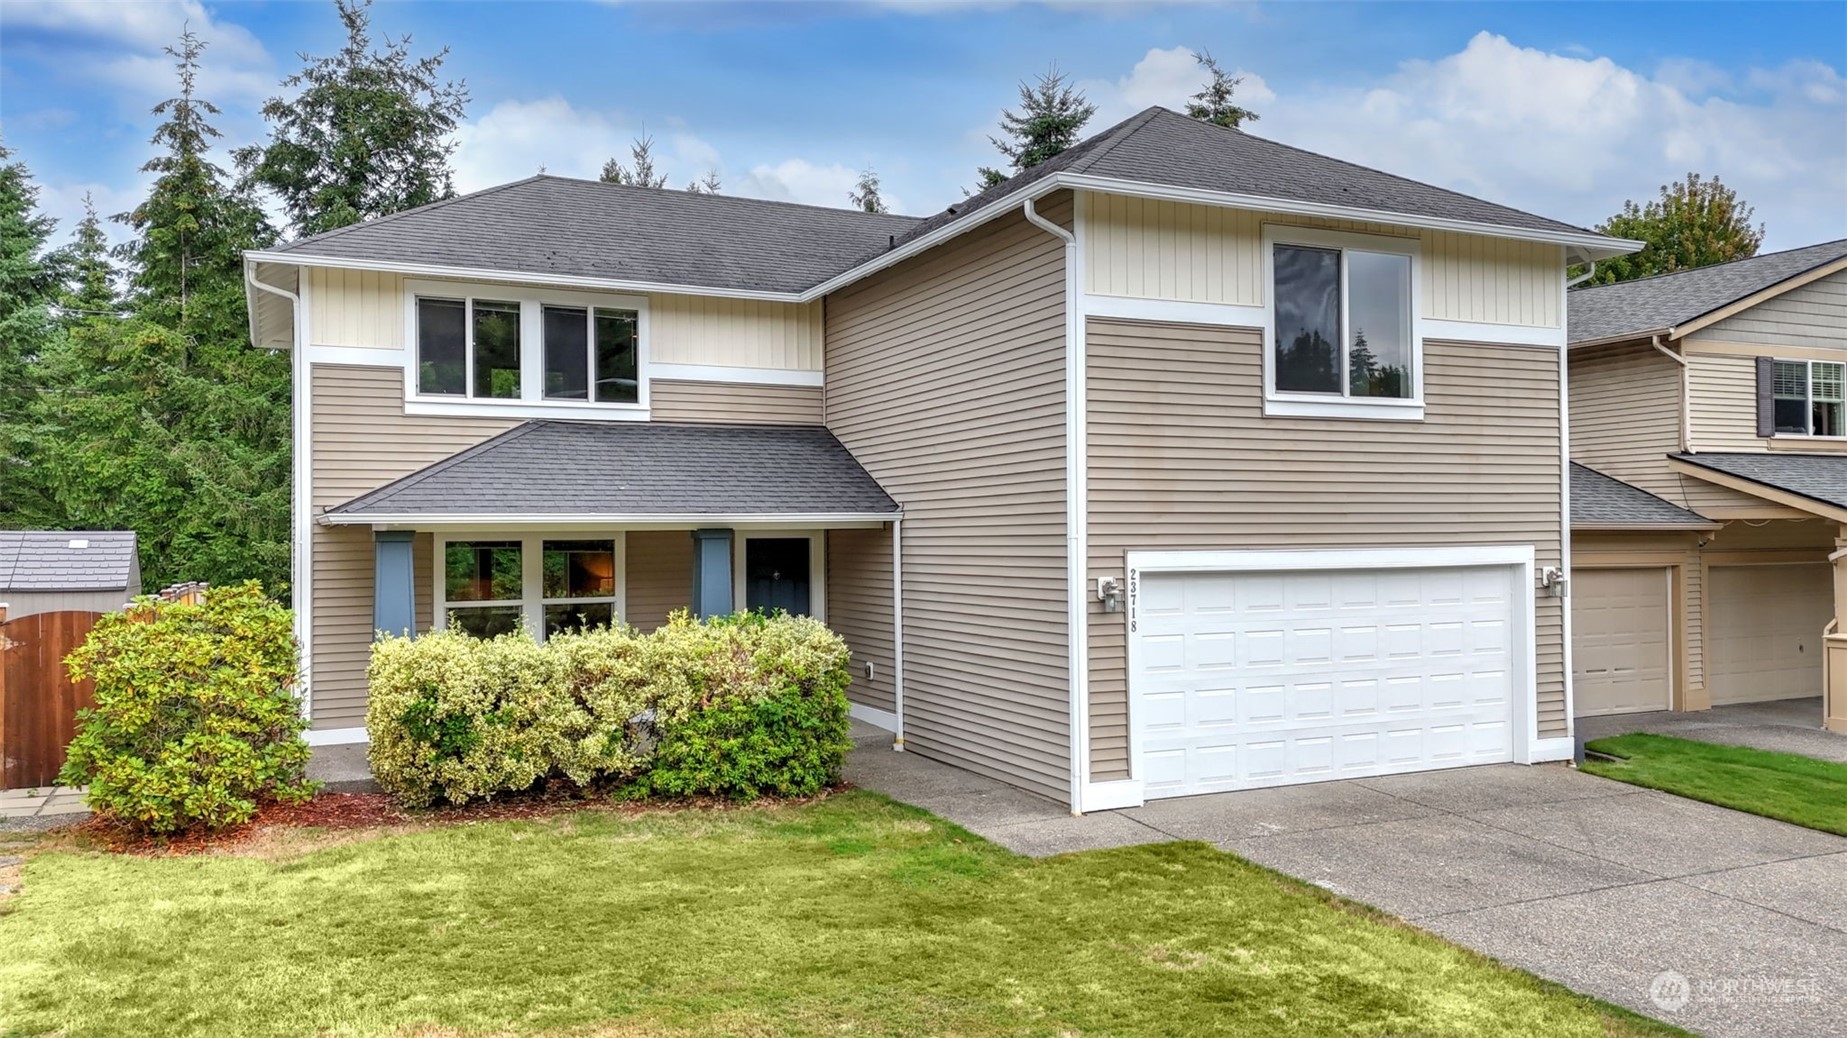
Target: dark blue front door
{"x":776,"y":574}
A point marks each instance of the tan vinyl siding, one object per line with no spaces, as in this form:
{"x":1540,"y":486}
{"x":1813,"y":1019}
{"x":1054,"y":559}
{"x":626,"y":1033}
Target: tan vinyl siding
{"x":1594,"y":549}
{"x":733,"y":403}
{"x":1181,"y":456}
{"x":362,"y":439}
{"x":360,"y":308}
{"x":1154,"y":249}
{"x":859,"y":609}
{"x":945,"y":378}
{"x":1812,"y":316}
{"x":734,"y":332}
{"x":660,"y":575}
{"x":1723,"y":395}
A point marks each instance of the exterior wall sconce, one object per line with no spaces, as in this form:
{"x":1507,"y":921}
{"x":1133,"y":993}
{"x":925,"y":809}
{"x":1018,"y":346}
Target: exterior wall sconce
{"x":1109,"y":592}
{"x":1552,"y":581}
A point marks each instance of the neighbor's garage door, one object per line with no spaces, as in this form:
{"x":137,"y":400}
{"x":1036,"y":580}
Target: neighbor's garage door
{"x":1261,"y":679}
{"x":1763,"y":631}
{"x":1620,"y":650}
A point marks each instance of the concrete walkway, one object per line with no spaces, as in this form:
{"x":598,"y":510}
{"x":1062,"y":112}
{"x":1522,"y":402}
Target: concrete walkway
{"x":1784,"y":725}
{"x":1600,"y":886}
{"x":37,"y":809}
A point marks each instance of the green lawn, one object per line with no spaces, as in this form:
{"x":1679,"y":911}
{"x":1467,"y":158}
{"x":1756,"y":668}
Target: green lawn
{"x":852,"y":915}
{"x":1796,"y":789}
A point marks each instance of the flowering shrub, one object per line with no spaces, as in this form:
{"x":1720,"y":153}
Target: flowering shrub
{"x":196,"y":720}
{"x":738,"y":706}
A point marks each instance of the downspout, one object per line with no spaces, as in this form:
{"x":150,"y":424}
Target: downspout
{"x":1077,"y":619}
{"x":301,"y":574}
{"x":1686,"y":394}
{"x":897,"y":629}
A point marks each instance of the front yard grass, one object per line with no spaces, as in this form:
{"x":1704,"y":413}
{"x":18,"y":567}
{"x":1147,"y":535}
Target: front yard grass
{"x":1800,"y":790}
{"x":849,"y":915}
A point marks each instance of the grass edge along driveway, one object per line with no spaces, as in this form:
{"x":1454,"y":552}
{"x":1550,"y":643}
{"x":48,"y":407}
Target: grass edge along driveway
{"x":851,"y":915}
{"x":1785,"y":786}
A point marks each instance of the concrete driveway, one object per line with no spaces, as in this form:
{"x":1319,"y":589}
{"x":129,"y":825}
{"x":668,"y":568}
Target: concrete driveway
{"x":1784,"y":725}
{"x":1600,"y":886}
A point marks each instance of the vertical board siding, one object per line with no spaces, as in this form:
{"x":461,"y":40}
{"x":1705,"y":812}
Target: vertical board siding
{"x":660,"y":576}
{"x":1813,"y":315}
{"x":1154,"y":249}
{"x":945,"y":378}
{"x":361,"y":439}
{"x":738,"y":332}
{"x":1182,"y":457}
{"x":859,"y":609}
{"x":733,"y":403}
{"x":362,"y":308}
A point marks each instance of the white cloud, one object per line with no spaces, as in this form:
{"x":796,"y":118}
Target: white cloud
{"x":1168,"y":78}
{"x":1572,"y":137}
{"x":124,"y":44}
{"x":798,"y":180}
{"x":64,"y":203}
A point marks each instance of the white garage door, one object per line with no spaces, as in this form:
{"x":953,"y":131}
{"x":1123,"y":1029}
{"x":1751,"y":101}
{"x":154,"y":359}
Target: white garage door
{"x":1620,"y":645}
{"x":1260,"y":679}
{"x":1764,"y":628}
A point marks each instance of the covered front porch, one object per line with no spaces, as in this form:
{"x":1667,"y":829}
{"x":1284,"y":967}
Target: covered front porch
{"x":554,"y":526}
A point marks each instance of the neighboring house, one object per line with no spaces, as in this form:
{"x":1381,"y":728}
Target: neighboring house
{"x":1709,"y":573}
{"x":54,"y":571}
{"x":1183,"y":461}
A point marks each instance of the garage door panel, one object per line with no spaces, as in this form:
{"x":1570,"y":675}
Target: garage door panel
{"x":1312,"y":676}
{"x":1764,"y":631}
{"x":1621,"y":644}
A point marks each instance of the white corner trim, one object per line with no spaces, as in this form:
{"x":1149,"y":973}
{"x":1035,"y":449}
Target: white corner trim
{"x":336,"y":736}
{"x":1493,"y":334}
{"x":1112,"y":796}
{"x":1344,"y":407}
{"x":1174,"y":310}
{"x":1541,"y":751}
{"x":727,"y":373}
{"x":872,"y":715}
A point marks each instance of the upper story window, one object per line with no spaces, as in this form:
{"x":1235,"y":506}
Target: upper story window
{"x":1809,"y":398}
{"x":485,"y":352}
{"x":1343,"y":327}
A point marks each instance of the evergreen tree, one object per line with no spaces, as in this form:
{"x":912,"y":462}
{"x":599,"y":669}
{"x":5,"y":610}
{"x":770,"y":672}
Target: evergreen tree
{"x":368,"y":135}
{"x":29,"y":282}
{"x":1695,"y":223}
{"x":1213,"y":104}
{"x":707,"y":185}
{"x":1051,"y":117}
{"x":641,"y":152}
{"x":865,"y":194}
{"x":90,"y":290}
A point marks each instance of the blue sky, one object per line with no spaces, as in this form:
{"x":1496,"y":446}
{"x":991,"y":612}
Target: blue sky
{"x":1563,"y":109}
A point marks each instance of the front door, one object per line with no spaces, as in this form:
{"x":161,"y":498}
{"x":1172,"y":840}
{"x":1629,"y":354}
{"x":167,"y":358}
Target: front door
{"x":776,"y":574}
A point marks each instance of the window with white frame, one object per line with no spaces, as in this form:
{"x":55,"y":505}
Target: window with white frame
{"x":1343,"y":318}
{"x":1809,"y":398}
{"x":554,"y":348}
{"x":490,"y":587}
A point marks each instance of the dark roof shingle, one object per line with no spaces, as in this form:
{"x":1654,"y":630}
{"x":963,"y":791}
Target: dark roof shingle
{"x":66,"y":560}
{"x":1818,"y":477}
{"x":1600,"y":500}
{"x":1649,"y":305}
{"x":553,"y":468}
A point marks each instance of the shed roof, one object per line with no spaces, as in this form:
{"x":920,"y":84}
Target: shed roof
{"x":67,"y":560}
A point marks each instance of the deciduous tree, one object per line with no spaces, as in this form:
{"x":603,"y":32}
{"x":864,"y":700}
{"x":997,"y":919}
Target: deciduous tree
{"x":1695,"y":223}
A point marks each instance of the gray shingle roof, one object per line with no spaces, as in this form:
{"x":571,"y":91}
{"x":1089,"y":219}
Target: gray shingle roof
{"x":1650,"y":305}
{"x":66,"y":560}
{"x":1818,"y":477}
{"x":546,"y":468}
{"x":1600,"y":500}
{"x":1161,"y":147}
{"x":586,"y":228}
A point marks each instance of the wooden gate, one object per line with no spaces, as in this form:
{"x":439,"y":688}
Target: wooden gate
{"x":38,"y":700}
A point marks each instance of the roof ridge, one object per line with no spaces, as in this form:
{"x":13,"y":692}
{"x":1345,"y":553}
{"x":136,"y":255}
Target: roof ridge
{"x":409,"y":480}
{"x":1842,"y":242}
{"x":414,"y":210}
{"x":1140,"y":120}
{"x":749,"y":199}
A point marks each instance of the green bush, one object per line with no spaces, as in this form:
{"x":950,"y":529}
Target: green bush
{"x":196,"y":721}
{"x":738,"y":707}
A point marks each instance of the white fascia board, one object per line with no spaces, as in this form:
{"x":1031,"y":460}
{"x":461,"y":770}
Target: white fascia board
{"x":430,"y":270}
{"x":529,"y":520}
{"x":1595,"y":245}
{"x":1261,"y":560}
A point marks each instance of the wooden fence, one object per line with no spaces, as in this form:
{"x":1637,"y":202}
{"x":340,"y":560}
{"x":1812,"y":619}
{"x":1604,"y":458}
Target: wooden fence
{"x":38,"y":700}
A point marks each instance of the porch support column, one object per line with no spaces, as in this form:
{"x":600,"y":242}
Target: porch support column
{"x":1834,"y":646}
{"x":394,"y":591}
{"x":712,"y":594}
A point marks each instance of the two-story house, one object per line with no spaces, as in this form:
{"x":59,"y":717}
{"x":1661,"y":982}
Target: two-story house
{"x":1184,"y":461}
{"x":1708,"y":416}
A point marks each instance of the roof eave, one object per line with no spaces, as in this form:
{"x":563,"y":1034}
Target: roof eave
{"x":1676,"y":527}
{"x":1610,"y":340}
{"x":1757,"y":488}
{"x":434,"y":270}
{"x":412,"y":520}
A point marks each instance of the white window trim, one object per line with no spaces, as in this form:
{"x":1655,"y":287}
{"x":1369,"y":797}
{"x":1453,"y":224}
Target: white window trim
{"x":532,"y":575}
{"x":1808,"y":399}
{"x":817,"y":565}
{"x":1321,"y":405}
{"x":531,"y":402}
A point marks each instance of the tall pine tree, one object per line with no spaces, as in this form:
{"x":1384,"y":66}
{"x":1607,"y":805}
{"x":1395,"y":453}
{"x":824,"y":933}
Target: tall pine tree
{"x":29,"y":284}
{"x":1213,"y":103}
{"x":368,"y":134}
{"x":90,"y":288}
{"x":1051,"y":118}
{"x":643,"y":174}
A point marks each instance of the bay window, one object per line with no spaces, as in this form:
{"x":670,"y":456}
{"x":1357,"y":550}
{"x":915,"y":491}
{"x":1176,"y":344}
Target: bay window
{"x":1343,"y":336}
{"x":1809,"y":399}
